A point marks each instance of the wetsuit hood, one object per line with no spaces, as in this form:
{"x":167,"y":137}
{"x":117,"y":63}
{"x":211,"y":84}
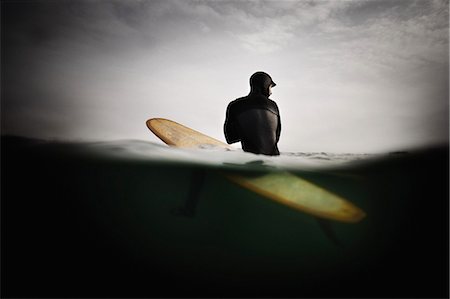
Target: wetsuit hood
{"x":260,"y":83}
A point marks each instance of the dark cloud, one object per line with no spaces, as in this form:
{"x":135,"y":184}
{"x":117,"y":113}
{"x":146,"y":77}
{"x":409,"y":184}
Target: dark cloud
{"x":133,"y":13}
{"x":30,"y":32}
{"x":33,"y":23}
{"x":364,"y":11}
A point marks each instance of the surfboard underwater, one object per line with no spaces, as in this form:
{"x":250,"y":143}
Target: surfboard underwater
{"x":281,"y":186}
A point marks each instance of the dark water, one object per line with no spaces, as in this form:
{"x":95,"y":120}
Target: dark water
{"x":94,"y":220}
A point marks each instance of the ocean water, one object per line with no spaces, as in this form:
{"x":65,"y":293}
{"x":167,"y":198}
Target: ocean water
{"x":143,"y":151}
{"x":96,"y":220}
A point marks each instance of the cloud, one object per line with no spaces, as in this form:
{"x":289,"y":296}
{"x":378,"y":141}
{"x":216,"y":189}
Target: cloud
{"x":375,"y":41}
{"x":267,"y":27}
{"x":91,"y":69}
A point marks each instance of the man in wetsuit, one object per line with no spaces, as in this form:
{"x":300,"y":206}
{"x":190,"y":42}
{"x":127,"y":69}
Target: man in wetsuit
{"x":255,"y":119}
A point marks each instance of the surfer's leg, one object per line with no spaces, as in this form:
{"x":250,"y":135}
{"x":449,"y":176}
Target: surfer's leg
{"x":325,"y":226}
{"x":198,"y":178}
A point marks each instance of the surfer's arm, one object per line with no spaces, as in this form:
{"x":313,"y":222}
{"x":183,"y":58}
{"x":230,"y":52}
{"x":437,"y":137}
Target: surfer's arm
{"x":278,"y":132}
{"x":230,"y":130}
{"x":278,"y":128}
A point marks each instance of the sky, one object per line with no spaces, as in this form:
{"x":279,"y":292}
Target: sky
{"x":352,"y":76}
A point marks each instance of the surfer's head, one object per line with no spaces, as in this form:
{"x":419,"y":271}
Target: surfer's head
{"x":261,"y":82}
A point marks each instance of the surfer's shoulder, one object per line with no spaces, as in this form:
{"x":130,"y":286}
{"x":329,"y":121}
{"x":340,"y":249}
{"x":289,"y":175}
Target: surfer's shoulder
{"x":236,"y":102}
{"x":239,"y":100}
{"x":272,"y":102}
{"x":271,"y":106}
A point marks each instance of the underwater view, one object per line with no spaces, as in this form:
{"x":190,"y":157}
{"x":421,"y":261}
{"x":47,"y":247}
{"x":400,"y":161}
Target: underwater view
{"x":99,"y":219}
{"x":341,"y":109}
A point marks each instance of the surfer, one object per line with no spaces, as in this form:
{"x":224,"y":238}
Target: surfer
{"x":254,"y":120}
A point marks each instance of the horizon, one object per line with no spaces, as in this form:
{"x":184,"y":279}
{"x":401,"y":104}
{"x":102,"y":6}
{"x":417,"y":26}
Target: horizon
{"x":159,"y":142}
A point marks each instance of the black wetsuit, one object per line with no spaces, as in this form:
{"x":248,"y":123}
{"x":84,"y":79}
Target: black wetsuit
{"x":254,"y":120}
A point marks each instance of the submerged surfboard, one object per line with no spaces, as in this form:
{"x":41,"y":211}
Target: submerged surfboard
{"x":282,"y":187}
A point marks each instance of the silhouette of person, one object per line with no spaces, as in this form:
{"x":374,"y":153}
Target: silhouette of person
{"x":254,"y":120}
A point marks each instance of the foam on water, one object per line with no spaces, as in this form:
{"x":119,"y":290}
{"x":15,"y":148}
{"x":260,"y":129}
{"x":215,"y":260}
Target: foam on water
{"x":148,"y":151}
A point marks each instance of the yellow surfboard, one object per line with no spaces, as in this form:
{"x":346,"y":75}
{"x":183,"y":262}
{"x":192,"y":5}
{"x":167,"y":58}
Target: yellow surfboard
{"x":282,"y":187}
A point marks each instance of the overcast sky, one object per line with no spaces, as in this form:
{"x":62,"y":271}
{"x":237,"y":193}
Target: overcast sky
{"x":352,"y":76}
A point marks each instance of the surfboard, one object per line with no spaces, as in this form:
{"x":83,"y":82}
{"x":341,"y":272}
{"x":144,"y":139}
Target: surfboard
{"x":280,"y":186}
